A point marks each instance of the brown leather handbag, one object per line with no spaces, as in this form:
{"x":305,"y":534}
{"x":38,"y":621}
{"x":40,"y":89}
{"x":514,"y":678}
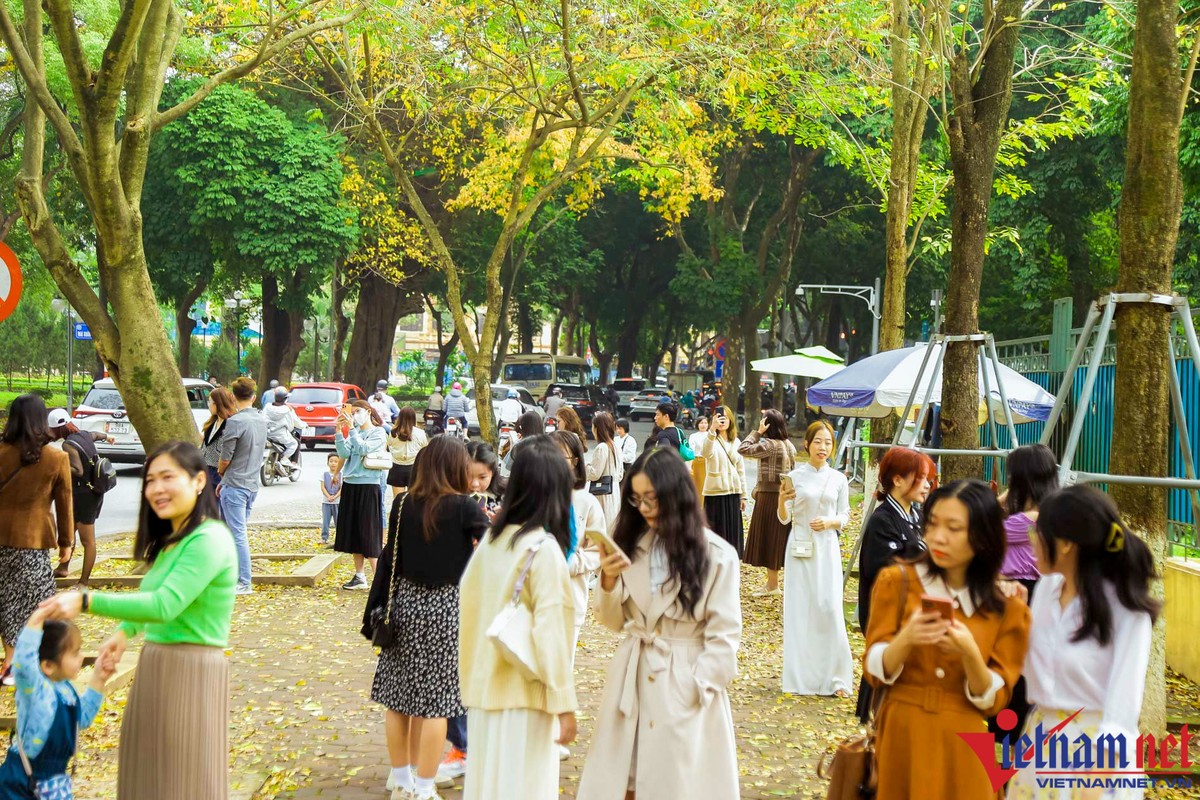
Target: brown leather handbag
{"x":850,"y":767}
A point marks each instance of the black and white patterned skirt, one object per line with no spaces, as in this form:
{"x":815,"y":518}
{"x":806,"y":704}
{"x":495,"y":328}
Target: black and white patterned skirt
{"x":418,"y":675}
{"x":26,"y":579}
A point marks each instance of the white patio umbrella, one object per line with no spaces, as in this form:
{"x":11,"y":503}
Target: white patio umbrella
{"x":811,"y":362}
{"x":880,"y":385}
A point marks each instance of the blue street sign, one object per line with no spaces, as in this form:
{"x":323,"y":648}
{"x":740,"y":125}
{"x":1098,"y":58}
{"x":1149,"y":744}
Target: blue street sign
{"x":82,"y":332}
{"x":718,"y":370}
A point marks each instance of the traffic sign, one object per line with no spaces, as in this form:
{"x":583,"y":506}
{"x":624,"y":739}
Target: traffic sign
{"x":721,"y":350}
{"x":10,"y":281}
{"x":82,"y":332}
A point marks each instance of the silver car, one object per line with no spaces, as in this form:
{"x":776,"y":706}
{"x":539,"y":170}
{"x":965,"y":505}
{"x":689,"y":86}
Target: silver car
{"x":499,"y":395}
{"x":645,"y":405}
{"x":103,"y":410}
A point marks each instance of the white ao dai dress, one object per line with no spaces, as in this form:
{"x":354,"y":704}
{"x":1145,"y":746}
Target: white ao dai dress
{"x":816,"y":649}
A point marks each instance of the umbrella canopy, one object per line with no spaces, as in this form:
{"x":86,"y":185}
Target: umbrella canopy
{"x":798,"y":364}
{"x":880,"y":385}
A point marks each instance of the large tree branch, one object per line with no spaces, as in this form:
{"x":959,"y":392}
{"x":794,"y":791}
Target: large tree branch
{"x":268,"y":51}
{"x":118,"y":54}
{"x":79,"y":74}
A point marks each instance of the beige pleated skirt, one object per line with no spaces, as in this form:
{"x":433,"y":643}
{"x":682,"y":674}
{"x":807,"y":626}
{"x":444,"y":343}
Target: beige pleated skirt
{"x":513,"y":756}
{"x":175,"y":733}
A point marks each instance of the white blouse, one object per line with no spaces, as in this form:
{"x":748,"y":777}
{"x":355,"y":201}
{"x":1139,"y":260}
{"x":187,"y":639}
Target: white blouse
{"x":1070,"y":675}
{"x":819,"y":492}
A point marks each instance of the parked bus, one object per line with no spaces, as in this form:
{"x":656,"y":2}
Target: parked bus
{"x":537,"y":371}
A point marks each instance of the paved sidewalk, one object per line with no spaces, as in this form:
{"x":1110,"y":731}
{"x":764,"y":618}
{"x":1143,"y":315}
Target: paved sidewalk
{"x":302,"y":721}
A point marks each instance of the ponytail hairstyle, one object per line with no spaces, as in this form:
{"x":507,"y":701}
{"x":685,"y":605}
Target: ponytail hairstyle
{"x":1108,"y":553}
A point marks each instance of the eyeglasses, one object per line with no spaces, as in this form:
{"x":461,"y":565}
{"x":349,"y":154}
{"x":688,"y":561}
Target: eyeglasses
{"x":650,"y":502}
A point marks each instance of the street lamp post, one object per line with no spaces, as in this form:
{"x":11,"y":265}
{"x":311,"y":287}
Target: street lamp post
{"x":60,"y":305}
{"x":236,"y":304}
{"x":868,"y":294}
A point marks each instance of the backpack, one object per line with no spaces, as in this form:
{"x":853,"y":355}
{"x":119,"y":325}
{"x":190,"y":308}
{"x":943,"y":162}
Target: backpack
{"x":99,"y":473}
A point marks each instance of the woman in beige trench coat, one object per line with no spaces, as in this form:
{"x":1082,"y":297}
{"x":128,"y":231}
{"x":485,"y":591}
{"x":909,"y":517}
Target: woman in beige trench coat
{"x":665,"y":729}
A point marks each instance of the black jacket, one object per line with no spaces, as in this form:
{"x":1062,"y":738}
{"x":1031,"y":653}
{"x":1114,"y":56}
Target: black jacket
{"x":665,"y":437}
{"x":888,"y":536}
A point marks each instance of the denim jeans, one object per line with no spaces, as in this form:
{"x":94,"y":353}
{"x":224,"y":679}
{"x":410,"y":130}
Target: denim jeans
{"x":328,"y":517}
{"x":235,"y":507}
{"x":456,"y":732}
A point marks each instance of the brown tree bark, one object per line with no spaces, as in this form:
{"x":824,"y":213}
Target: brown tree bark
{"x":912,"y":85}
{"x":341,"y":327}
{"x":981,"y":101}
{"x":184,"y":325}
{"x":1151,"y":199}
{"x":380,"y":306}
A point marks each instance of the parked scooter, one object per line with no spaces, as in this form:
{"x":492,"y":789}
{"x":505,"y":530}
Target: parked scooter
{"x":276,"y":467}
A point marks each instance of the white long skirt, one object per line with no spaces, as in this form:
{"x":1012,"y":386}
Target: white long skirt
{"x":816,"y":649}
{"x":513,"y":755}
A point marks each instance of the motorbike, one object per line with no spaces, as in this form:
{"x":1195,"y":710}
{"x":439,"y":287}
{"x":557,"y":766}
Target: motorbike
{"x":456,"y":428}
{"x":551,"y":424}
{"x":276,"y":466}
{"x":687,"y":418}
{"x":434,"y":422}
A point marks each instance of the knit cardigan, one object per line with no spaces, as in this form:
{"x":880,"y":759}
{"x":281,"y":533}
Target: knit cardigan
{"x":724,"y":465}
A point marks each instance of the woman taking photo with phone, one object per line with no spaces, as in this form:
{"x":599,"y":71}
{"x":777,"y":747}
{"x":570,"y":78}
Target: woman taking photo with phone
{"x":513,"y":718}
{"x":665,"y":729}
{"x":815,"y":503}
{"x":1092,"y":619}
{"x":724,"y":479}
{"x":948,"y":647}
{"x":768,"y":537}
{"x":360,"y":440}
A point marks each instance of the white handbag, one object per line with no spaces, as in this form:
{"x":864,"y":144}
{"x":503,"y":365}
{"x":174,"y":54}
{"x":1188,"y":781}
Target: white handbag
{"x":511,"y":630}
{"x":378,"y":459}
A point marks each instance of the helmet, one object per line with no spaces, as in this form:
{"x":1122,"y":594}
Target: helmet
{"x":557,"y":391}
{"x":512,"y":394}
{"x":437,"y":390}
{"x":381,"y":384}
{"x":281,"y":394}
{"x":274,"y":383}
{"x":457,"y":385}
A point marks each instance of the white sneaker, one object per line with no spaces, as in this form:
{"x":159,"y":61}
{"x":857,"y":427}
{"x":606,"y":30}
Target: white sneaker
{"x":402,"y":794}
{"x":563,"y":753}
{"x":357,"y":583}
{"x":452,"y":768}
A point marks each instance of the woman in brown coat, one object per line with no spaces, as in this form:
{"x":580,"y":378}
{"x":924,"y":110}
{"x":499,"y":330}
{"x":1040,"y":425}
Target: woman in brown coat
{"x":948,"y":667}
{"x":32,"y":475}
{"x":767,"y":541}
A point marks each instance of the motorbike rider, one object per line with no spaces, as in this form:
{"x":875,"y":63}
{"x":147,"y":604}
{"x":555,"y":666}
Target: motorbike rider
{"x":511,"y":409}
{"x":457,"y":405}
{"x":282,"y":423}
{"x":383,"y":404}
{"x":269,"y":395}
{"x":554,"y":401}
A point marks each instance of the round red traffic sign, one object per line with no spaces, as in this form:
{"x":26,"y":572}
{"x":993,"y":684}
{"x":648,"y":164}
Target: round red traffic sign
{"x":10,"y":281}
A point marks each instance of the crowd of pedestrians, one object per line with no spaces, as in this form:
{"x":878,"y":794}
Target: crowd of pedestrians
{"x":483,"y":569}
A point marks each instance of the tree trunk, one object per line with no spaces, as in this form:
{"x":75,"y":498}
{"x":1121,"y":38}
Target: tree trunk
{"x":627,"y":346}
{"x":981,"y":101}
{"x":1149,"y":227}
{"x":554,"y":332}
{"x":525,"y":327}
{"x":482,"y":372}
{"x":380,"y":306}
{"x":753,"y":383}
{"x":276,"y":330}
{"x":735,"y":365}
{"x":341,"y":327}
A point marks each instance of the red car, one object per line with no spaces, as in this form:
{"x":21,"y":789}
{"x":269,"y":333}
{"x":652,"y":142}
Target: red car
{"x":317,"y":406}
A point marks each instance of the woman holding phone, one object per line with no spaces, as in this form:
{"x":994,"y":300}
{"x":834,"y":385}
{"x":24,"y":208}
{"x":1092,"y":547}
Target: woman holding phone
{"x":358,"y":432}
{"x":665,"y":728}
{"x":815,"y":502}
{"x":724,"y":479}
{"x":949,"y":647}
{"x":766,"y":544}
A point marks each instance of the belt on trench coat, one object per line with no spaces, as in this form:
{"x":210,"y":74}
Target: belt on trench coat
{"x":658,"y":653}
{"x":933,"y":699}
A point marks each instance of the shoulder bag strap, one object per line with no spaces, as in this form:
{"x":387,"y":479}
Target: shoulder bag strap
{"x":520,"y":584}
{"x":387,"y":613}
{"x":8,"y":480}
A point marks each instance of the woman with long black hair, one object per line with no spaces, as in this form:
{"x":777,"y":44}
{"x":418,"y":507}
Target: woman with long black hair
{"x":1092,"y":620}
{"x":512,"y":717}
{"x":665,"y":728}
{"x":175,"y":731}
{"x":33,"y":475}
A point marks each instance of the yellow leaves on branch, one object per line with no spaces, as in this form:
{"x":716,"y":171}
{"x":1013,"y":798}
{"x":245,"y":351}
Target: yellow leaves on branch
{"x":391,"y":239}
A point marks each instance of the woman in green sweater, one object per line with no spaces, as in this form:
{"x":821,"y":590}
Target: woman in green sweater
{"x":174,"y":736}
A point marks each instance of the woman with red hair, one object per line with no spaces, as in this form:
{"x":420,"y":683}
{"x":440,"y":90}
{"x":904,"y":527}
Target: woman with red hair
{"x":894,"y":530}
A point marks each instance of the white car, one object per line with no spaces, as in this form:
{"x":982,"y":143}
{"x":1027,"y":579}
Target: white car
{"x":627,"y":389}
{"x":645,"y":405}
{"x":103,"y":410}
{"x":499,"y":395}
